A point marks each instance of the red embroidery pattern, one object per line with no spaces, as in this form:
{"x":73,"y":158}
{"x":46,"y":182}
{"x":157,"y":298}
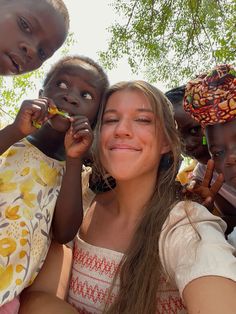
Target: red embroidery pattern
{"x":94,"y":263}
{"x":80,"y":311}
{"x":93,"y":289}
{"x":93,"y":293}
{"x":170,"y":305}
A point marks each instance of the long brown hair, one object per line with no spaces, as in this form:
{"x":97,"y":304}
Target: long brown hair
{"x":140,"y":268}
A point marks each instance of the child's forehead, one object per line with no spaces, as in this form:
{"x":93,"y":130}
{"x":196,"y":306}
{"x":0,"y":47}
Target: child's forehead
{"x":76,"y":67}
{"x":34,"y":5}
{"x":227,"y":128}
{"x":44,"y":16}
{"x":41,"y":9}
{"x":31,"y":5}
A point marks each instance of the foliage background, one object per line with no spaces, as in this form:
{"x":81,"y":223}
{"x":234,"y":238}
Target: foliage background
{"x":172,"y":40}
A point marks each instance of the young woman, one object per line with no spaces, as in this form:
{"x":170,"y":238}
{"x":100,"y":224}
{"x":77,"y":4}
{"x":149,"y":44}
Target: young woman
{"x":138,"y":249}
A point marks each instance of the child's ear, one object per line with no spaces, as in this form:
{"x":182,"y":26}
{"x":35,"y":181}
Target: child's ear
{"x":40,"y":93}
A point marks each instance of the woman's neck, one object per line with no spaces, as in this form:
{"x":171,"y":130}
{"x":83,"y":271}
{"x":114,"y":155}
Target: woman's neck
{"x":132,"y":196}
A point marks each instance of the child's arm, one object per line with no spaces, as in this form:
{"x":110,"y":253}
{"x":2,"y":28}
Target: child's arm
{"x":50,"y":287}
{"x":38,"y":302}
{"x":68,"y":213}
{"x":31,"y":110}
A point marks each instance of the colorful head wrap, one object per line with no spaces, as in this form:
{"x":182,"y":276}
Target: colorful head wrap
{"x":211,"y":97}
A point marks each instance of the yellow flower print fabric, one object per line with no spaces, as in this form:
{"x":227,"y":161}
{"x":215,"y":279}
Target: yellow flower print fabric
{"x":29,"y":185}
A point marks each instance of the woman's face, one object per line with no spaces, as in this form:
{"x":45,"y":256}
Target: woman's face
{"x":131,"y":142}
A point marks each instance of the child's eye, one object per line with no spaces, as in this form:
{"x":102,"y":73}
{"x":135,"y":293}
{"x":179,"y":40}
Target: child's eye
{"x":195,"y":130}
{"x":42,"y":54}
{"x":217,"y":154}
{"x":87,"y":95}
{"x":62,"y":85}
{"x":24,"y":25}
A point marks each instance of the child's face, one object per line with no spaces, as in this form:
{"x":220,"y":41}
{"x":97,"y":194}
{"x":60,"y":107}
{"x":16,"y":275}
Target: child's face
{"x":221,"y":140}
{"x":76,"y":89}
{"x":191,"y":134}
{"x":30,"y":33}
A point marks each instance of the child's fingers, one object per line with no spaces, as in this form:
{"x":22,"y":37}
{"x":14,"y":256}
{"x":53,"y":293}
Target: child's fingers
{"x":79,"y":125}
{"x":84,"y":137}
{"x":79,"y":119}
{"x":208,"y":174}
{"x":40,"y":110}
{"x":217,"y":184}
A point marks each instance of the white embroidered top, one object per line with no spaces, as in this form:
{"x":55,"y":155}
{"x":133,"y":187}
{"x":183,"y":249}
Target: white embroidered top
{"x":184,"y":257}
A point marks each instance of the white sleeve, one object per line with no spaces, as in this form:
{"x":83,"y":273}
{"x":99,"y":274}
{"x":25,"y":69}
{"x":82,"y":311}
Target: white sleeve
{"x":192,"y":245}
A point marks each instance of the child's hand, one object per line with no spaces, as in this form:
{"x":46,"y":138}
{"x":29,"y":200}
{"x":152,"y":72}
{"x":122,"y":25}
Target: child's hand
{"x":204,"y":189}
{"x":31,"y":113}
{"x":79,"y":137}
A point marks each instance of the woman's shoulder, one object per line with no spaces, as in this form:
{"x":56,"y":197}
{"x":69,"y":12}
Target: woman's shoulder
{"x":192,"y":244}
{"x":187,"y":212}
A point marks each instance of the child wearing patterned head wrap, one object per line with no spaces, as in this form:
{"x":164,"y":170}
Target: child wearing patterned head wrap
{"x":211,"y":100}
{"x":196,"y":175}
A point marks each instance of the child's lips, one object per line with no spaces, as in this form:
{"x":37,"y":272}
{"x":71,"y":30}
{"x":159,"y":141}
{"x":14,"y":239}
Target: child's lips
{"x":17,"y":63}
{"x":58,"y":111}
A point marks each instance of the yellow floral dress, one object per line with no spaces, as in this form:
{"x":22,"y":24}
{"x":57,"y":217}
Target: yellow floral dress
{"x":29,"y":185}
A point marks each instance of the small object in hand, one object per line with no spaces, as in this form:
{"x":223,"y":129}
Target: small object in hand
{"x":55,"y":111}
{"x":37,"y":125}
{"x":52,"y":111}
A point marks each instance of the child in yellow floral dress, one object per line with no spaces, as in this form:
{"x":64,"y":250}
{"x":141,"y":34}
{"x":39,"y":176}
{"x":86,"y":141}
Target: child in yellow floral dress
{"x":31,"y":169}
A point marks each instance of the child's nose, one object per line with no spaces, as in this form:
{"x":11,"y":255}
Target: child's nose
{"x":231,"y":158}
{"x":72,"y":99}
{"x":29,"y":49}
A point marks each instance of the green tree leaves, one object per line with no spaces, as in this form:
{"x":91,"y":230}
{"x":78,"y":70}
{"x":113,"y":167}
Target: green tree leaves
{"x":172,"y":40}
